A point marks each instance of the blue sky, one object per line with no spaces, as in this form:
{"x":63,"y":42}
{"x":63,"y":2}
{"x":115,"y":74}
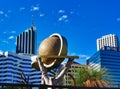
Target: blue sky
{"x":80,"y":21}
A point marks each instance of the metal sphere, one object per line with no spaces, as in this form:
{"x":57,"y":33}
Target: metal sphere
{"x":55,"y":45}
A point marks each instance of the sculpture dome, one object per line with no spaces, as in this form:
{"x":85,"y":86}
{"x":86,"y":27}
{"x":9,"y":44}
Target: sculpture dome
{"x":48,"y":47}
{"x":55,"y":45}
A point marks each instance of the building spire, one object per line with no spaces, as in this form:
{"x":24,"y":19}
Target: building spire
{"x":33,"y":25}
{"x":32,"y":20}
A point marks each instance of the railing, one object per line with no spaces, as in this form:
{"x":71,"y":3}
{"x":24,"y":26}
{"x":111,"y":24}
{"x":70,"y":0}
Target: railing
{"x":30,"y":86}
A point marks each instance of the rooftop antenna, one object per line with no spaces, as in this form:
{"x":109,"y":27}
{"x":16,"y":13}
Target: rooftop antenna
{"x":32,"y":20}
{"x":33,"y":25}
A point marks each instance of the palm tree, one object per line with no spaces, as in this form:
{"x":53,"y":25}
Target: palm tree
{"x":92,"y":78}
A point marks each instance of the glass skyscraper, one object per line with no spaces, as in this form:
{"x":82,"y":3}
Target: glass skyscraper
{"x":109,"y":59}
{"x":16,"y":68}
{"x":26,"y":41}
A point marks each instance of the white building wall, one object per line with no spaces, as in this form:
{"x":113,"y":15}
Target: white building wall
{"x":107,"y":40}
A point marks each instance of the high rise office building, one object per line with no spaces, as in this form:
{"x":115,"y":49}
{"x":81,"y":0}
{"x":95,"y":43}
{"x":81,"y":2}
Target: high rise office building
{"x":109,"y":59}
{"x":107,"y":40}
{"x":26,"y":41}
{"x":15,"y":68}
{"x":67,"y":80}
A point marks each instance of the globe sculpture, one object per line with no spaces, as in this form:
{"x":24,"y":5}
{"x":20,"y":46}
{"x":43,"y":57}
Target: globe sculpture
{"x":54,"y":45}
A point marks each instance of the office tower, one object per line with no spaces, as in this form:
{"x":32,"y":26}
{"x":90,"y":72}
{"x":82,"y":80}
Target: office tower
{"x":14,"y":67}
{"x":26,"y":41}
{"x":107,"y":40}
{"x":109,"y":59}
{"x":67,"y":80}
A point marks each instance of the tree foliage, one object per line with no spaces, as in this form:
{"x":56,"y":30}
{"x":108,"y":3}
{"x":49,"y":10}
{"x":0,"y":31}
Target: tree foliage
{"x":92,"y":78}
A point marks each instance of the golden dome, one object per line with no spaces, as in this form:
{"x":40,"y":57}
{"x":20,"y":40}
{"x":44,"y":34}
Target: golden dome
{"x":55,"y":45}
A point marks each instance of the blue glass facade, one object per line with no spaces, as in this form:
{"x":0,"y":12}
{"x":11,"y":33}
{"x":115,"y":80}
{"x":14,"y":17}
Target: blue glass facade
{"x":109,"y":59}
{"x":14,"y":66}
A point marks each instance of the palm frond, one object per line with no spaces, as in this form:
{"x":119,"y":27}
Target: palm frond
{"x":92,"y":78}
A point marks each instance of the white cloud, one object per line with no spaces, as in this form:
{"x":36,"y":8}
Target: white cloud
{"x":13,"y":31}
{"x":84,"y":56}
{"x":41,"y":15}
{"x":1,"y":12}
{"x":72,"y":54}
{"x":6,"y":42}
{"x":6,"y":15}
{"x":81,"y":56}
{"x":4,"y":32}
{"x":11,"y":37}
{"x":22,"y":8}
{"x":63,"y":17}
{"x":66,"y":20}
{"x":118,"y":19}
{"x":71,"y":12}
{"x":61,"y":11}
{"x":35,"y":8}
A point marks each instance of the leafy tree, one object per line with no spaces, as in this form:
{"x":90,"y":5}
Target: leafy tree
{"x":92,"y":78}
